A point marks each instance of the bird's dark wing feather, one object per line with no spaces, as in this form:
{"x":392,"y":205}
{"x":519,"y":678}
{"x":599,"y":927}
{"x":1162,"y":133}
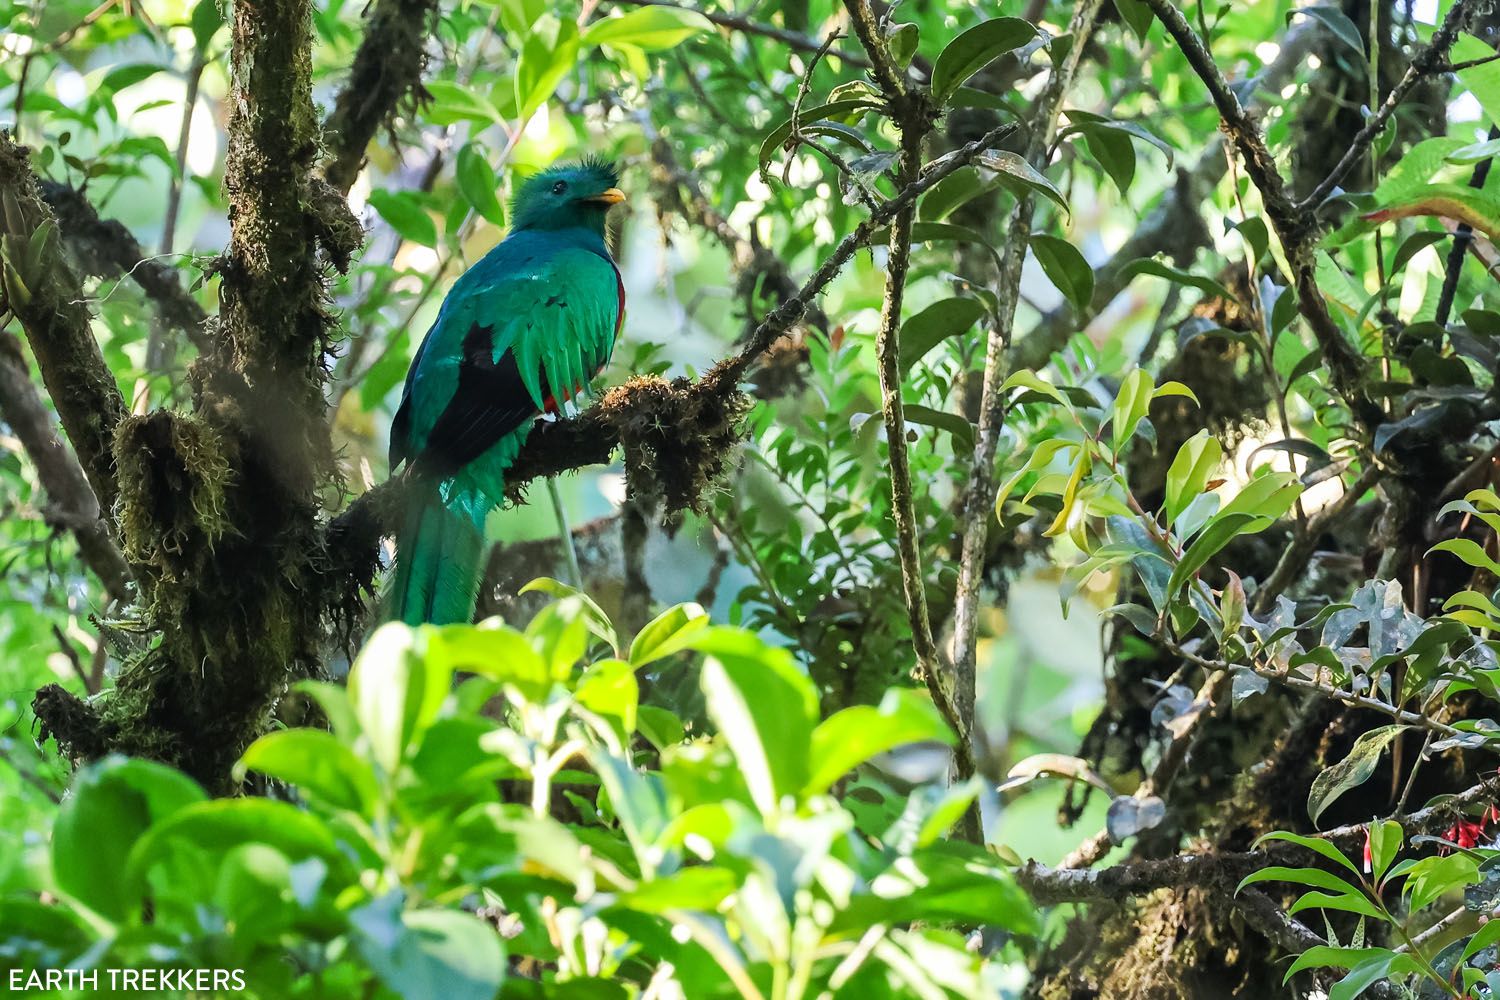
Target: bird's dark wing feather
{"x":491,"y":401}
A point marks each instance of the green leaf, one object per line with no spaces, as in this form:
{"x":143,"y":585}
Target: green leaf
{"x":971,"y":50}
{"x":667,"y":633}
{"x":317,"y":763}
{"x":1483,"y":80}
{"x":1135,"y":14}
{"x":213,"y":827}
{"x":1371,"y":971}
{"x":961,"y":429}
{"x":207,"y":19}
{"x":650,"y":29}
{"x":1323,"y":955}
{"x":598,"y":622}
{"x":1315,"y":877}
{"x":395,"y":692}
{"x":1156,"y":268}
{"x":404,"y":214}
{"x":1222,"y":528}
{"x":1351,"y":772}
{"x":853,"y":735}
{"x":764,"y":707}
{"x":113,"y":803}
{"x":492,"y":650}
{"x":1337,"y":22}
{"x":126,"y":76}
{"x":1470,"y":551}
{"x":1131,"y":404}
{"x":549,"y":52}
{"x":422,"y":954}
{"x":935,"y":324}
{"x":608,"y":688}
{"x":1188,"y":476}
{"x":1316,"y":844}
{"x":1020,"y":177}
{"x":476,"y":181}
{"x":1067,"y":269}
{"x":1484,"y":937}
{"x":1346,"y":902}
{"x":779,"y":135}
{"x":1385,"y":842}
{"x":1028,"y":379}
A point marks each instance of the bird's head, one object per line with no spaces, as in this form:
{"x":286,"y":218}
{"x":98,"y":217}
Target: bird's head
{"x":569,"y":196}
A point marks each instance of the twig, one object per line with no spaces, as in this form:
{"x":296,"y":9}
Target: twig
{"x":1293,"y":226}
{"x":387,"y":67}
{"x":58,"y":471}
{"x":1463,"y":238}
{"x":1432,"y":59}
{"x":746,"y":26}
{"x":979,"y":497}
{"x":912,"y":122}
{"x":80,"y":384}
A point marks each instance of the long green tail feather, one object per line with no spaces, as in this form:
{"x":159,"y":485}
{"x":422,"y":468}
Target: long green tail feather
{"x":438,"y":556}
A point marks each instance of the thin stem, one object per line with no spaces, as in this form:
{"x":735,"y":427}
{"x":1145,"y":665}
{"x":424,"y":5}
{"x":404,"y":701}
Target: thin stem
{"x":565,"y":533}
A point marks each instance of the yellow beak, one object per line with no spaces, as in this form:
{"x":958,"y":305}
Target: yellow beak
{"x":612,"y":196}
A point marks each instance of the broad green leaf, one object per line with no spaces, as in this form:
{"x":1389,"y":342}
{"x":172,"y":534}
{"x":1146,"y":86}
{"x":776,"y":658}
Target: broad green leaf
{"x":1381,"y":968}
{"x":1385,"y":842}
{"x":853,"y":735}
{"x":971,"y":50}
{"x":113,"y":803}
{"x":1336,"y":21}
{"x":1483,"y":80}
{"x":495,"y":650}
{"x":477,"y":183}
{"x":1222,"y":528}
{"x":608,"y":688}
{"x":1067,"y":269}
{"x":404,"y":214}
{"x":1028,"y":379}
{"x":961,"y":429}
{"x":549,"y":52}
{"x":650,"y":29}
{"x":1315,"y":877}
{"x":764,"y":707}
{"x":1021,"y":177}
{"x":1470,"y":551}
{"x":1188,"y":476}
{"x":1351,"y":772}
{"x":1315,"y":844}
{"x":425,"y":954}
{"x":599,"y":623}
{"x":1156,"y":268}
{"x":396,"y":692}
{"x":1137,"y":15}
{"x":1484,"y":937}
{"x":317,"y":763}
{"x":1131,"y":404}
{"x":667,"y":633}
{"x":1321,"y":956}
{"x":935,"y":324}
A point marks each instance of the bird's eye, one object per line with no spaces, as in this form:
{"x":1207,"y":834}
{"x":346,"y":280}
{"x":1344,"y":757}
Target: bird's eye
{"x":559,"y":187}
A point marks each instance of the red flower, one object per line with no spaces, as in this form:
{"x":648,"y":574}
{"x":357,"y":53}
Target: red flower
{"x":1368,"y":860}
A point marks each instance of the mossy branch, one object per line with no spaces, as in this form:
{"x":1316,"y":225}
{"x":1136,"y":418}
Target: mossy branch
{"x":41,"y":289}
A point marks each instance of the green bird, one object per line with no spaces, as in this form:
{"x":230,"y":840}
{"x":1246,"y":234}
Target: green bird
{"x":524,"y":329}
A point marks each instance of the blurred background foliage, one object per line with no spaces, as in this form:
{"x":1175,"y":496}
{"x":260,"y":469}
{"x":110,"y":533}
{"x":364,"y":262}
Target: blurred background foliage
{"x":125,"y":102}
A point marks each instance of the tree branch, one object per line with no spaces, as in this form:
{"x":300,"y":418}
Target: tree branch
{"x":42,"y":291}
{"x":913,"y":121}
{"x":1432,"y":59}
{"x":71,"y":501}
{"x":1295,"y":228}
{"x":976,"y":510}
{"x":387,"y":67}
{"x":106,"y":249}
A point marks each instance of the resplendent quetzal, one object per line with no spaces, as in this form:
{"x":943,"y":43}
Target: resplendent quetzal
{"x":523,"y":330}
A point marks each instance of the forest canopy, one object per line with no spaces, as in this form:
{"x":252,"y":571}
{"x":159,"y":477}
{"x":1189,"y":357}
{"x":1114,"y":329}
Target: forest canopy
{"x":1028,"y":524}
